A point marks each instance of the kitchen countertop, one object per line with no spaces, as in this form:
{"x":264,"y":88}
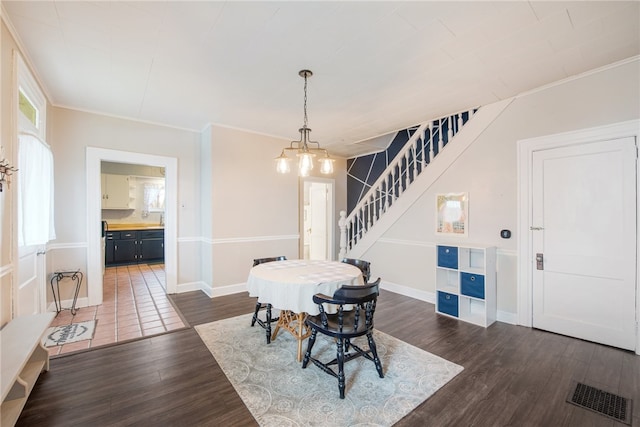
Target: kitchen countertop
{"x":140,"y":226}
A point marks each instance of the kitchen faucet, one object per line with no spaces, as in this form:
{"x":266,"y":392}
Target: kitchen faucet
{"x":161,"y":219}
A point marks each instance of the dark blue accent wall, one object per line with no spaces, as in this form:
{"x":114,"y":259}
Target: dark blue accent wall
{"x":363,"y":171}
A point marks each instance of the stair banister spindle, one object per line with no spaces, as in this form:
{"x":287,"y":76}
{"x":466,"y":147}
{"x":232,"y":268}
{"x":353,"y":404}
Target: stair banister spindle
{"x":415,"y":162}
{"x":376,"y":211}
{"x":407,"y":168}
{"x":435,"y":140}
{"x":385,"y":196}
{"x":387,"y":193}
{"x":424,"y":148}
{"x":460,"y":121}
{"x":440,"y":137}
{"x":371,"y":219}
{"x":431,"y":140}
{"x":372,"y":211}
{"x":450,"y":130}
{"x":393,"y":184}
{"x":399,"y":178}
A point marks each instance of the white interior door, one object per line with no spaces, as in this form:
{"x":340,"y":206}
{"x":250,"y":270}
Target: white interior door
{"x":584,"y":230}
{"x":31,"y":280}
{"x":318,"y":219}
{"x":318,"y":198}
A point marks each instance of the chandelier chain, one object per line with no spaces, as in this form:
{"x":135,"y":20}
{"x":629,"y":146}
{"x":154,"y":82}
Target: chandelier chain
{"x":305,"y":100}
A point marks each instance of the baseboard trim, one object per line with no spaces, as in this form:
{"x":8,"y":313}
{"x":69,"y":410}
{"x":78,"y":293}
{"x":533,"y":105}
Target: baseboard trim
{"x":210,"y":291}
{"x":194,"y":286}
{"x":507,"y":317}
{"x":425,"y":296}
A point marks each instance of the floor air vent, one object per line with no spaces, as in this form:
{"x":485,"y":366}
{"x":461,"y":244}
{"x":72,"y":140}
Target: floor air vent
{"x":602,"y":402}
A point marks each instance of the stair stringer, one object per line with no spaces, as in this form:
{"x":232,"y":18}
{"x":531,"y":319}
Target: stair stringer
{"x":454,"y":149}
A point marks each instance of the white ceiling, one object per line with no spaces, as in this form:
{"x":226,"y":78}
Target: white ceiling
{"x":378,"y":66}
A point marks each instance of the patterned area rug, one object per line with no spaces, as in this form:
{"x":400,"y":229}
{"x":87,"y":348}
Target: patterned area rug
{"x":278,"y":392}
{"x":65,"y":334}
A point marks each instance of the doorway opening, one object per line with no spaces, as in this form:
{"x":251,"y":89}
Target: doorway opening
{"x":317,"y":219}
{"x":133,"y":203}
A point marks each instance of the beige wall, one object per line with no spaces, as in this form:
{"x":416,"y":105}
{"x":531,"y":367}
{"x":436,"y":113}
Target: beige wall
{"x":488,"y":172}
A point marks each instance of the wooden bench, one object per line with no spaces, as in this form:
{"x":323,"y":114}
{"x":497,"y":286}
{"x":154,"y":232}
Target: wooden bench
{"x":23,"y":359}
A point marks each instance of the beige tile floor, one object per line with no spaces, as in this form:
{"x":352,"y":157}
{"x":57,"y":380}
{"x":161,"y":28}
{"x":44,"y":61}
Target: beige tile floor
{"x":134,"y":305}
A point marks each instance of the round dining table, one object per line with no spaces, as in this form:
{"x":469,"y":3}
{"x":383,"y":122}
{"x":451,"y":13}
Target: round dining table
{"x":290,"y":285}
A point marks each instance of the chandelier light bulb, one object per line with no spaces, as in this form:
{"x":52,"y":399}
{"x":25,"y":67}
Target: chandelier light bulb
{"x":306,"y":161}
{"x":282,"y":164}
{"x":326,"y":165}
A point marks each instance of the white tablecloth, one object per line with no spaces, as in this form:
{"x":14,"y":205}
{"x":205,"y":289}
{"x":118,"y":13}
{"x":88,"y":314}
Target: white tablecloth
{"x":291,"y":284}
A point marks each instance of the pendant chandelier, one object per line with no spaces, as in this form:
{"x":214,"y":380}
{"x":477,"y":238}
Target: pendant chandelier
{"x":302,"y":148}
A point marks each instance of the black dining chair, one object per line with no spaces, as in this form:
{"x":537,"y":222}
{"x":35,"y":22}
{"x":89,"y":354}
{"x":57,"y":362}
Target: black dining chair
{"x":266,"y":324}
{"x":347,"y":323}
{"x":364,"y":266}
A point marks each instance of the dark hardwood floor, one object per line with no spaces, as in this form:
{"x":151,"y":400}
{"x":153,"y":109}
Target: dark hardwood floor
{"x":513,"y":376}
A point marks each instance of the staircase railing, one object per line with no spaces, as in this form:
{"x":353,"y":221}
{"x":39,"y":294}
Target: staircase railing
{"x":420,"y":150}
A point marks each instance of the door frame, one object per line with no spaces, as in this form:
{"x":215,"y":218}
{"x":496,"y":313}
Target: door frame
{"x":94,"y":215}
{"x":526,"y":148}
{"x":332,"y":224}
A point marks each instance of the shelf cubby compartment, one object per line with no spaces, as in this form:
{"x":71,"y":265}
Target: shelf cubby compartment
{"x":472,"y":260}
{"x":473,"y":310}
{"x":447,"y":280}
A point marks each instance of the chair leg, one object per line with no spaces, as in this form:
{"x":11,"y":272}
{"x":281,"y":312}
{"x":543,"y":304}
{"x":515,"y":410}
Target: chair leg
{"x":268,"y":324}
{"x":255,"y":313}
{"x":307,"y":355}
{"x":374,"y":352}
{"x":340,"y":359}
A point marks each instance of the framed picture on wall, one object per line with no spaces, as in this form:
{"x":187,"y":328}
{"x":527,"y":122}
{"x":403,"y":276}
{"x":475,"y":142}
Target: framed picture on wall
{"x":452,"y":214}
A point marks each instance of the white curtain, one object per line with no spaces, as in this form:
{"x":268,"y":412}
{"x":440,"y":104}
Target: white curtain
{"x":35,"y":192}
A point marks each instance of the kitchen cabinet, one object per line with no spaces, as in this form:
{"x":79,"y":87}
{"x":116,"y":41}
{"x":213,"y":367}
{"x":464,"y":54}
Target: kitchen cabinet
{"x":115,"y":191}
{"x":150,"y":245}
{"x":110,"y":246}
{"x":466,"y":283}
{"x":134,"y":246}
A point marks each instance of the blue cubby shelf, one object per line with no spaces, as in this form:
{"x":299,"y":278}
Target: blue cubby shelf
{"x":466,"y":283}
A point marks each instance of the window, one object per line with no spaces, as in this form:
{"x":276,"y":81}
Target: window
{"x":32,"y":104}
{"x":27,"y":108}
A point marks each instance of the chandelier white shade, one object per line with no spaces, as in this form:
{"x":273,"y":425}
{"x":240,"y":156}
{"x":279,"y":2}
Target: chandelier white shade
{"x":304,"y":149}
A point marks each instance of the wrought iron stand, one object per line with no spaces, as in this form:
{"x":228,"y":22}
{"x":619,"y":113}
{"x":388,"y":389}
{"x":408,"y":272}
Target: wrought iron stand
{"x":77,"y":277}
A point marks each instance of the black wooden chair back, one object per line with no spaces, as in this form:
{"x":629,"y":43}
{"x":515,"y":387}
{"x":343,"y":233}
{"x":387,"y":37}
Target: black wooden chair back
{"x":364,"y":266}
{"x":354,"y":310}
{"x":258,"y":261}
